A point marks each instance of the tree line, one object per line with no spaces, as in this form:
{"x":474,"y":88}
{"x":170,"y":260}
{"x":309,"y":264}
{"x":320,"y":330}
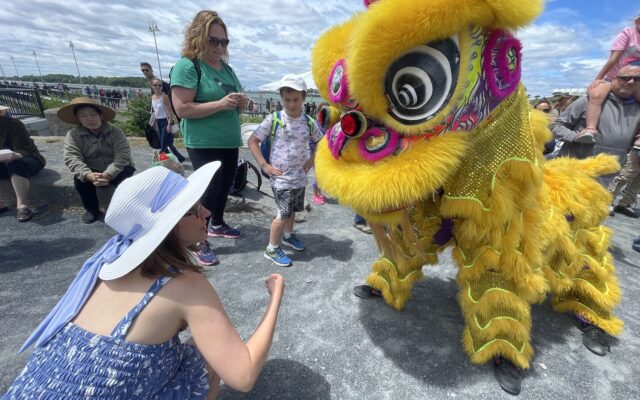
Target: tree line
{"x":128,"y":81}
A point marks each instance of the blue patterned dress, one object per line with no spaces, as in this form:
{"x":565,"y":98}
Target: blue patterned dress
{"x":77,"y":364}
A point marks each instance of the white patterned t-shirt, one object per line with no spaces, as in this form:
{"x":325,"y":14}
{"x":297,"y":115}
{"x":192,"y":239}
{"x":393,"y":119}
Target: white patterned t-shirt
{"x":289,"y":149}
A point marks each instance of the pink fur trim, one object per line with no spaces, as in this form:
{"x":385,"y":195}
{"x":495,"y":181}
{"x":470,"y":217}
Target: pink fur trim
{"x":343,"y":93}
{"x":336,"y":139}
{"x":508,"y":78}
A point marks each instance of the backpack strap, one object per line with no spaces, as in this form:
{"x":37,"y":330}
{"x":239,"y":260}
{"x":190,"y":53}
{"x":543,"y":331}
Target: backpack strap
{"x":196,"y":66}
{"x":275,"y":123}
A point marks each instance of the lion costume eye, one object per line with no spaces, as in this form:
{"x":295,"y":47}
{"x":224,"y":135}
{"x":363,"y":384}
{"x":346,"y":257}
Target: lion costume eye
{"x":422,"y":80}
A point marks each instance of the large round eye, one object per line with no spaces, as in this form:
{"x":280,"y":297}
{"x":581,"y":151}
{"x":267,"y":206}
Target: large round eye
{"x":421,"y":81}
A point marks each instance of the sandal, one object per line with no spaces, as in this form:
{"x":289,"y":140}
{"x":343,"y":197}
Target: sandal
{"x":24,"y":214}
{"x":366,"y":292}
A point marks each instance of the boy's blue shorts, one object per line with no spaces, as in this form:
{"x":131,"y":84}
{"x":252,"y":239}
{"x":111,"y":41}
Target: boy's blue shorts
{"x":288,"y":201}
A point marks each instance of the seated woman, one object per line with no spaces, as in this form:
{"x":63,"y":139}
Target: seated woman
{"x":20,"y":161}
{"x":96,"y":152}
{"x":114,"y":334}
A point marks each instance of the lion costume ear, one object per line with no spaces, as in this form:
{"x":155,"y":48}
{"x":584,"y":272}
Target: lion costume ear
{"x":329,"y":49}
{"x":512,"y":14}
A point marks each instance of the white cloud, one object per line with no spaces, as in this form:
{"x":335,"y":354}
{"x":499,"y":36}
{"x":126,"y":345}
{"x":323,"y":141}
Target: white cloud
{"x":269,"y":38}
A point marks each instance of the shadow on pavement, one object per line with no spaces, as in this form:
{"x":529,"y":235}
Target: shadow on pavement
{"x":284,"y":379}
{"x":20,"y":254}
{"x":619,"y":256}
{"x":424,"y":339}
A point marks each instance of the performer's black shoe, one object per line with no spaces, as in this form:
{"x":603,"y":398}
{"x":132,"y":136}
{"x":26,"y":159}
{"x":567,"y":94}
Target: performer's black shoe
{"x":595,"y":339}
{"x":508,"y":375}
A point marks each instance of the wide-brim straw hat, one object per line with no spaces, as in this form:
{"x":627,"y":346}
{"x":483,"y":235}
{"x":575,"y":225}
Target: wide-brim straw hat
{"x":67,"y":115}
{"x":133,"y":204}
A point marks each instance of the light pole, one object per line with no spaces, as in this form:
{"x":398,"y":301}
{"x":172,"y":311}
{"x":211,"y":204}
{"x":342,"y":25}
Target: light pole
{"x":74,"y":59}
{"x":38,"y":65}
{"x":153,"y":28}
{"x":14,"y":67}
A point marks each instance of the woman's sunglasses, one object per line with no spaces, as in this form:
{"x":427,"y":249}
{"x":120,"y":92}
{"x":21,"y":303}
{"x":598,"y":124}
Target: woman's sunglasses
{"x":215,"y":42}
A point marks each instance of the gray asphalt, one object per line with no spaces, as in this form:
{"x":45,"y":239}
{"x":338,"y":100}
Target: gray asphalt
{"x":330,"y":344}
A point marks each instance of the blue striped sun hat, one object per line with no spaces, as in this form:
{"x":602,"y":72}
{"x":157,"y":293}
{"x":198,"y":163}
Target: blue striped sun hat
{"x":146,"y":207}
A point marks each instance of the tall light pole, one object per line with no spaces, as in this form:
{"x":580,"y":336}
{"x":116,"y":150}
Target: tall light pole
{"x":153,"y":28}
{"x":74,"y":59}
{"x":14,"y":67}
{"x":38,"y":65}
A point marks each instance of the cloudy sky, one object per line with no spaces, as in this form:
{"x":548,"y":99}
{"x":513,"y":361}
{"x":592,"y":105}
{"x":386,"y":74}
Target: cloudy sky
{"x":564,"y":48}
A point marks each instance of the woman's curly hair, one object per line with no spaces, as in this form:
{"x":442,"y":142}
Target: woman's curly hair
{"x":196,"y":36}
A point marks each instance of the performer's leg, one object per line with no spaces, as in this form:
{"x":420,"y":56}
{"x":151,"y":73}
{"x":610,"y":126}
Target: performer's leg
{"x":594,"y":290}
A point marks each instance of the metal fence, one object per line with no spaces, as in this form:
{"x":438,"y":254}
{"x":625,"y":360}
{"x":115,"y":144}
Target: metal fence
{"x":22,"y":102}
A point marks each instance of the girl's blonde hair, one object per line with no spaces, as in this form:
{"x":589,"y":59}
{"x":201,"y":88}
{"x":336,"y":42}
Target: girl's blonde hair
{"x":196,"y":36}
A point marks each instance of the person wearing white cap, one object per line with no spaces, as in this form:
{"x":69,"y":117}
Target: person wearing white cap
{"x":114,"y":333}
{"x":286,"y":161}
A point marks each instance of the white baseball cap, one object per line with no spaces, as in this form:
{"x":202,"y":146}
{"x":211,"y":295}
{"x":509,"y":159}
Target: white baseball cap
{"x":294,"y":82}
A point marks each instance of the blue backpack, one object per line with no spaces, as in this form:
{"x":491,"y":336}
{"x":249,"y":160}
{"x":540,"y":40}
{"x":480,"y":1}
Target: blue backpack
{"x":265,"y":145}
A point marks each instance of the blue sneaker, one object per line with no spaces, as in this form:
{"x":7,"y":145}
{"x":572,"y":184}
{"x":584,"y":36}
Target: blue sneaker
{"x":223,"y":231}
{"x":206,"y":256}
{"x":278,"y":257}
{"x":293,"y":242}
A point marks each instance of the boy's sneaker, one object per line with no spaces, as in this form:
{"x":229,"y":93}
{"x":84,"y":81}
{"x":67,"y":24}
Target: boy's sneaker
{"x":206,"y":256}
{"x":293,"y":242}
{"x":223,"y":231}
{"x":277,"y":256}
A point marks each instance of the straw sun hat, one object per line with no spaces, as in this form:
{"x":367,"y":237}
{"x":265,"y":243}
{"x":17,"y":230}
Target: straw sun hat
{"x":67,"y":115}
{"x":146,"y":207}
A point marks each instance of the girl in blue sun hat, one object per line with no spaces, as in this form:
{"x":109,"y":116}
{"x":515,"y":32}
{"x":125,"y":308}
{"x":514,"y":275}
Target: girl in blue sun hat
{"x":114,"y":334}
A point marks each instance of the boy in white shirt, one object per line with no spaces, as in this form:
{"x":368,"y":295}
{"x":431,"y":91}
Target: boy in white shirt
{"x":288,"y":164}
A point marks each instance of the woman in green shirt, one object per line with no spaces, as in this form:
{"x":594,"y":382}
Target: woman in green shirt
{"x":206,"y":95}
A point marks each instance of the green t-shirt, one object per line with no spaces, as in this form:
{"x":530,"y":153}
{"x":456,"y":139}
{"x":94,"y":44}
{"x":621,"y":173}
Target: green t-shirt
{"x":220,"y":130}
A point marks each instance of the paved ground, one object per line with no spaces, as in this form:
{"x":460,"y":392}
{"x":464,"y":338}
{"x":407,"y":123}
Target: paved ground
{"x":330,"y":344}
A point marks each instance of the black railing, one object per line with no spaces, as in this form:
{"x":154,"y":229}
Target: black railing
{"x":22,"y":102}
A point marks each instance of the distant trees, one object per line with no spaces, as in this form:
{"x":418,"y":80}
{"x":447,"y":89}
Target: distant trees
{"x":126,"y":81}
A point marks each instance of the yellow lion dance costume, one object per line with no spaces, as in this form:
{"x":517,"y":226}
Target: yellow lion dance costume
{"x":431,"y":138}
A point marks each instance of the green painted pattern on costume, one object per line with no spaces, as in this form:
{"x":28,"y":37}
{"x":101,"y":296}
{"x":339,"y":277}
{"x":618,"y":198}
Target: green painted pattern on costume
{"x":606,"y":286}
{"x":524,"y":344}
{"x":482,"y":328}
{"x":494,"y":289}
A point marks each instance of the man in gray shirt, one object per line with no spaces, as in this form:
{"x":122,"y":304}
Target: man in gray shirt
{"x":618,"y":123}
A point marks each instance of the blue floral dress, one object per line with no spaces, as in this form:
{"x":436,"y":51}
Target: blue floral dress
{"x":77,"y":364}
